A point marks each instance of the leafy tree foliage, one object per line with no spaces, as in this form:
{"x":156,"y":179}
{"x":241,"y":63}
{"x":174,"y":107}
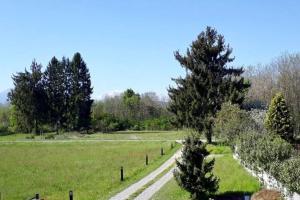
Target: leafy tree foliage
{"x":4,"y":118}
{"x":132,"y":102}
{"x":272,"y":154}
{"x":209,"y":81}
{"x":231,"y":121}
{"x":131,"y":110}
{"x":278,"y":119}
{"x":194,"y":172}
{"x":282,"y":74}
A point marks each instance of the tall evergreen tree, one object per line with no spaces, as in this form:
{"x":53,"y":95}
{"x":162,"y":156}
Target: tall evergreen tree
{"x":29,"y":96}
{"x":209,"y":81}
{"x":80,"y":91}
{"x":278,"y":118}
{"x":55,"y":87}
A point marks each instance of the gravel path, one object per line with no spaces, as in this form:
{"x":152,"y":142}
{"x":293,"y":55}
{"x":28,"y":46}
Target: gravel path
{"x":151,"y":190}
{"x":125,"y":194}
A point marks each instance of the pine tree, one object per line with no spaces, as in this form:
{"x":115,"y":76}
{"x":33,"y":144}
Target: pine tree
{"x":55,"y":87}
{"x":194,"y":172}
{"x":80,"y":91}
{"x":278,"y":118}
{"x":29,"y":97}
{"x":207,"y":84}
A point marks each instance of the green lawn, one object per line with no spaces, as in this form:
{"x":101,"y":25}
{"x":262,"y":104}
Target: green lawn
{"x":91,"y":169}
{"x":233,"y":179}
{"x":122,"y":135}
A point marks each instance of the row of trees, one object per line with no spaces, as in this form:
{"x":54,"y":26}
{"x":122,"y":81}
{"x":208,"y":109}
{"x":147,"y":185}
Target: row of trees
{"x":281,"y":75}
{"x":59,"y":97}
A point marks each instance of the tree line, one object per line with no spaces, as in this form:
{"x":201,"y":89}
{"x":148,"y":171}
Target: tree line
{"x":131,"y":111}
{"x":280,"y":75}
{"x":59,"y":97}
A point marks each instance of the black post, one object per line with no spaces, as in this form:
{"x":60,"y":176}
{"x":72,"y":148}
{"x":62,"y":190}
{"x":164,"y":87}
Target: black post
{"x":71,"y":195}
{"x":37,"y":196}
{"x":161,"y":151}
{"x":146,"y":161}
{"x":122,"y":174}
{"x":172,"y":145}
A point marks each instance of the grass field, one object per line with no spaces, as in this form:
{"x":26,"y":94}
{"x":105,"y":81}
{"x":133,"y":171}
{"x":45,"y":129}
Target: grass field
{"x":233,"y":179}
{"x":122,"y":135}
{"x":91,"y":169}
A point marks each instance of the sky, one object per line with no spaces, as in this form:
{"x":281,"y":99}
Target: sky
{"x":131,"y":43}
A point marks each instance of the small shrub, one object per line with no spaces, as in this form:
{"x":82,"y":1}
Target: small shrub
{"x":161,"y":123}
{"x":30,"y":137}
{"x":50,"y":136}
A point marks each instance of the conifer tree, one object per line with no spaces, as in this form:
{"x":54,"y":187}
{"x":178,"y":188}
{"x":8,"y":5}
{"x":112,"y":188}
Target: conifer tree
{"x":194,"y":172}
{"x":29,"y":97}
{"x":80,"y":91}
{"x":209,"y":81}
{"x":278,"y":118}
{"x":55,"y":87}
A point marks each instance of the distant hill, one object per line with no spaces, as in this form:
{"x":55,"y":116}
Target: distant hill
{"x":3,"y":96}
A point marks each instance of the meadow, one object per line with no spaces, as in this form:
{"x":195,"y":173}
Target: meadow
{"x":120,"y":135}
{"x":90,"y":168}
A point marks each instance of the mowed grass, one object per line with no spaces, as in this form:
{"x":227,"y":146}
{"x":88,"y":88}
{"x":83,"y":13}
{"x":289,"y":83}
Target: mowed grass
{"x":121,"y":135}
{"x":90,"y":169}
{"x":234,"y":179}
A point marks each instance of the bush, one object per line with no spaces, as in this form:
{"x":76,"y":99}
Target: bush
{"x":288,"y":173}
{"x":260,"y":151}
{"x":30,"y":137}
{"x":231,"y":121}
{"x":162,"y":123}
{"x":109,"y":123}
{"x":273,"y":155}
{"x":194,"y":172}
{"x":50,"y":136}
{"x":4,"y":119}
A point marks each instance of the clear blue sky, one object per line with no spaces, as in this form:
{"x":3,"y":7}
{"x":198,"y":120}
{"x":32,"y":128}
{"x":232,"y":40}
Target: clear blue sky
{"x":130,"y":43}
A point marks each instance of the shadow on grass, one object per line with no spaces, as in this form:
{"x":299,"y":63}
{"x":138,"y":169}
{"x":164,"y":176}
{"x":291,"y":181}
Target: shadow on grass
{"x":230,"y":195}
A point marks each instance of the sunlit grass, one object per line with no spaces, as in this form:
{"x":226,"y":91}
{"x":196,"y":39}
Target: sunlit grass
{"x":234,"y":179}
{"x":122,"y":135}
{"x":91,"y":169}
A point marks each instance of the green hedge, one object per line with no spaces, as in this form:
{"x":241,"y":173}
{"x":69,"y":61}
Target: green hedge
{"x":271,"y":154}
